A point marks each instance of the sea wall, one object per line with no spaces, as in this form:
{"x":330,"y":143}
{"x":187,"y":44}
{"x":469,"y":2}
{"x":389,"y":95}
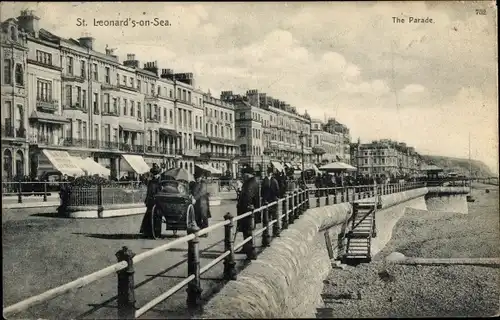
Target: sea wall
{"x":287,"y":278}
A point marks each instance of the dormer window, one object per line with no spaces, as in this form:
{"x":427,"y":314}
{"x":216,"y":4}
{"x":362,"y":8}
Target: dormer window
{"x":13,"y":33}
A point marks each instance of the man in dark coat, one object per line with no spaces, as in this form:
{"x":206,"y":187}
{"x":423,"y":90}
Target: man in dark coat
{"x":270,"y":192}
{"x":248,"y":200}
{"x":202,"y":204}
{"x":153,"y":188}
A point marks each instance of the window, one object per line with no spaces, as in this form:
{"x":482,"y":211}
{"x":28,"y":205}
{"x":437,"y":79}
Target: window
{"x":84,"y":99}
{"x":158,"y":90}
{"x":117,"y":79}
{"x":107,"y":133}
{"x":95,"y":103}
{"x":19,"y":116}
{"x":95,"y":72}
{"x":132,"y":108}
{"x":165,"y":115}
{"x":125,"y":80}
{"x":139,"y":112}
{"x":230,"y":117}
{"x":190,"y":115}
{"x":69,"y":129}
{"x":78,"y":128}
{"x":115,"y":135}
{"x":84,"y":130}
{"x":78,"y":95}
{"x":243,"y":149}
{"x":196,"y":122}
{"x":82,"y":68}
{"x":206,"y":129}
{"x":139,"y":85}
{"x":69,"y":96}
{"x":189,"y":96}
{"x":150,"y":137}
{"x":156,"y":114}
{"x":184,"y":95}
{"x":171,"y":117}
{"x":115,"y":105}
{"x":171,"y":93}
{"x":107,"y":75}
{"x":69,"y":65}
{"x":152,"y":90}
{"x":43,"y":90}
{"x":180,"y":118}
{"x":125,"y":107}
{"x":96,"y":132}
{"x":131,"y":82}
{"x":148,"y":111}
{"x":44,"y":57}
{"x":178,"y":94}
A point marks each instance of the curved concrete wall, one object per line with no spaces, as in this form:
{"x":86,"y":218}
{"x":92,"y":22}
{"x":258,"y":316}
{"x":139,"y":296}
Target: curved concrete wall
{"x":286,"y":279}
{"x":447,"y":203}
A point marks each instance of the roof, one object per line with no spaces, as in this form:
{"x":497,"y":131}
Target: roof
{"x":430,"y":167}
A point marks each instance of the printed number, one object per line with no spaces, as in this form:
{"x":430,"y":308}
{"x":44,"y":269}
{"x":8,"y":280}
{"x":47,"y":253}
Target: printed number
{"x":480,"y":12}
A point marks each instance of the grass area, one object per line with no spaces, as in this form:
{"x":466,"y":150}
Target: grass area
{"x":388,"y":290}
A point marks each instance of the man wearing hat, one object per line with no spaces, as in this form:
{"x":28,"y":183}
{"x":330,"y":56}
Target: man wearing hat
{"x":248,"y":200}
{"x":153,"y":188}
{"x":270,"y":192}
{"x":202,"y":205}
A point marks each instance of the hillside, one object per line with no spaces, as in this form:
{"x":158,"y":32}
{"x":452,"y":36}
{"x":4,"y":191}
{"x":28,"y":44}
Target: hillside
{"x":459,"y":165}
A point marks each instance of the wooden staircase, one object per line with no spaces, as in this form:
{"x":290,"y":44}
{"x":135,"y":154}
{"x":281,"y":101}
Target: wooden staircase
{"x":358,"y":238}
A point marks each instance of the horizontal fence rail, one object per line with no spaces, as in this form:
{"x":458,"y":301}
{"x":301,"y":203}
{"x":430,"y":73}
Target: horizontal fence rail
{"x":276,"y":216}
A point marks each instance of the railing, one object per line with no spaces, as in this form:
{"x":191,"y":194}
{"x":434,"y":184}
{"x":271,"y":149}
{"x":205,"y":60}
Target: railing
{"x":275,"y":217}
{"x":122,"y":192}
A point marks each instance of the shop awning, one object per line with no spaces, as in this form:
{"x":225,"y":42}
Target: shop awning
{"x":169,"y":132}
{"x":209,"y":168}
{"x":48,"y":117}
{"x":136,"y":163}
{"x":277,"y":166}
{"x":200,"y":137}
{"x":130,"y":126}
{"x":91,"y":167}
{"x":288,"y":165}
{"x":63,"y":162}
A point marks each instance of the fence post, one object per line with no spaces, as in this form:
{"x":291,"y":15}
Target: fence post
{"x":284,"y":211}
{"x":252,"y":253}
{"x":45,"y":192}
{"x":307,"y":199}
{"x":327,"y":200}
{"x":266,"y":237}
{"x":318,"y":198}
{"x":229,"y":263}
{"x":100,"y":209}
{"x":194,"y":286}
{"x":277,"y":224}
{"x":342,"y":195}
{"x":126,"y":294}
{"x":296,"y":204}
{"x":19,"y":193}
{"x":291,"y":202}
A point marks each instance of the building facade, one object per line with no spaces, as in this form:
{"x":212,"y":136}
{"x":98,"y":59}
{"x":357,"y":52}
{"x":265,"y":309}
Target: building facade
{"x":269,"y":130}
{"x":330,"y":141}
{"x":63,"y":95}
{"x":385,"y":158}
{"x":14,"y":99}
{"x":216,"y":144}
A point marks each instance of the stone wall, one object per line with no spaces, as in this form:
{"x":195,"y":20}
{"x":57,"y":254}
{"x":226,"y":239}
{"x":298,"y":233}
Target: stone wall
{"x":287,"y":278}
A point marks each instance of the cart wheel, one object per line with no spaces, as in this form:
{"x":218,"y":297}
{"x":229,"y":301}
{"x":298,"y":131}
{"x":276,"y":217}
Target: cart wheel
{"x":190,"y":218}
{"x":156,"y":220}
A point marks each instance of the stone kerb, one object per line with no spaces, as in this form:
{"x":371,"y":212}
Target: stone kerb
{"x":263,"y":289}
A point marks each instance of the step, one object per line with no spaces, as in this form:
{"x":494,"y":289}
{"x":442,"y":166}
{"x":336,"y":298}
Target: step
{"x":356,"y":255}
{"x":360,"y":235}
{"x":360,"y":250}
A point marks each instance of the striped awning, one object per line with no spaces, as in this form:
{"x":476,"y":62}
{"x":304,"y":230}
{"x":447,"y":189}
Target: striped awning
{"x":169,"y":132}
{"x":277,"y":166}
{"x":130,"y":126}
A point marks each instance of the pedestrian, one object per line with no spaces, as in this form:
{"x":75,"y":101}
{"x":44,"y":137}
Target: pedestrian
{"x":270,"y":192}
{"x":248,"y":201}
{"x":153,"y":188}
{"x":202,"y":202}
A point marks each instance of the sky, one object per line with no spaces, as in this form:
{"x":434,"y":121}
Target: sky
{"x":427,"y":84}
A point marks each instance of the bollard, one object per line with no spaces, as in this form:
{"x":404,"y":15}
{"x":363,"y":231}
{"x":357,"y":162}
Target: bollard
{"x":126,"y":294}
{"x":44,"y":192}
{"x":100,"y":209}
{"x":229,"y":261}
{"x":266,"y":237}
{"x":19,"y":194}
{"x":193,"y":262}
{"x":284,"y":211}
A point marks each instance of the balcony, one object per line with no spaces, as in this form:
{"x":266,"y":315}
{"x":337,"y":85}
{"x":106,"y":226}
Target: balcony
{"x":73,"y":78}
{"x":47,"y":105}
{"x":75,"y":142}
{"x":110,"y":112}
{"x":11,"y":132}
{"x":124,"y":86}
{"x":75,"y":106}
{"x":128,"y":147}
{"x":153,"y":120}
{"x":191,"y":153}
{"x":109,"y":145}
{"x":109,"y":87}
{"x":151,"y":97}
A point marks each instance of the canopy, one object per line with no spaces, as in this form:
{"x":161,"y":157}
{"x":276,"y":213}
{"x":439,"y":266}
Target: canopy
{"x":209,"y":168}
{"x":337,"y":166}
{"x":91,"y":167}
{"x":136,"y":163}
{"x":288,"y":165}
{"x":63,"y":162}
{"x":277,"y":166}
{"x":311,"y":166}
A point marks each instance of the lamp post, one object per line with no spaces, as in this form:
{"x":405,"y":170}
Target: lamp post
{"x":301,"y":137}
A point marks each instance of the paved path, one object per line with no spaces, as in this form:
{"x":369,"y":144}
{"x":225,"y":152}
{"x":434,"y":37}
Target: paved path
{"x":41,"y":252}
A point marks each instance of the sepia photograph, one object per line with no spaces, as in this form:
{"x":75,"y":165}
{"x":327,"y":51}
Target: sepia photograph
{"x":239,"y":160}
